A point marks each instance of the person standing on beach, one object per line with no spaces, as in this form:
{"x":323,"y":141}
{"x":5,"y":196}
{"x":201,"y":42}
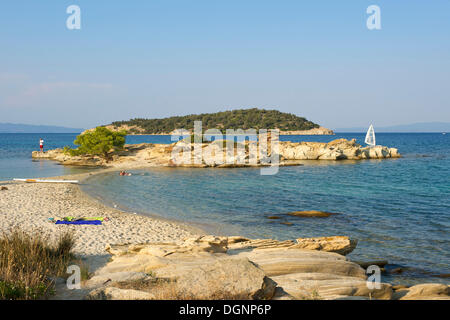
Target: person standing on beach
{"x":41,"y":144}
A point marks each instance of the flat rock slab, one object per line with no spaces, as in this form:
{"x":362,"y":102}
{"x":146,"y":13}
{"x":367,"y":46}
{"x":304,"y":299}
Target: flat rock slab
{"x":209,"y":267}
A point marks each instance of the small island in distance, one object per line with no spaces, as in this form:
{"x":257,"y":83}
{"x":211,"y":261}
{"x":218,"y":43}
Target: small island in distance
{"x":244,"y":119}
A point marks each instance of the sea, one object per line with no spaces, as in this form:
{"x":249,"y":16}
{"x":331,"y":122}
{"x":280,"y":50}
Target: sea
{"x":398,"y":209}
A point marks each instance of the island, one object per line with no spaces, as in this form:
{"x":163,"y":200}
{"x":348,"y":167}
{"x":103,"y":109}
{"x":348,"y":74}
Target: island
{"x":289,"y":153}
{"x":286,"y":123}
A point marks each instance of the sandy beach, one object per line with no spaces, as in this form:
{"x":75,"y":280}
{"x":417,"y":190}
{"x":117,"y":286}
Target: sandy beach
{"x":29,"y":205}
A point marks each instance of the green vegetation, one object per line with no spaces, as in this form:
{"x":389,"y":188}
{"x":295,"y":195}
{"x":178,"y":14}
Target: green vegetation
{"x":28,"y":263}
{"x":99,"y":142}
{"x":235,"y":119}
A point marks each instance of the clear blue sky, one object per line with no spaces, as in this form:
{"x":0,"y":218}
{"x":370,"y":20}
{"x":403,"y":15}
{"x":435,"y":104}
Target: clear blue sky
{"x":160,"y":58}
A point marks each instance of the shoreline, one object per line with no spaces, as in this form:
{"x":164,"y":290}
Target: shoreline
{"x":190,"y":227}
{"x":27,"y":206}
{"x":82,"y":177}
{"x":123,"y":228}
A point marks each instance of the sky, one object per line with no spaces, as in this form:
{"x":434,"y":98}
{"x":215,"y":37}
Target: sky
{"x":153,"y":59}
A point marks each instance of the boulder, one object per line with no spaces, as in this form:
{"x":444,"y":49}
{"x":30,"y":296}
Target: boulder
{"x":427,"y":291}
{"x":198,"y":266}
{"x":226,"y":278}
{"x":328,"y":286}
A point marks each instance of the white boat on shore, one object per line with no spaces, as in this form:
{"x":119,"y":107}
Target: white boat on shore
{"x":46,"y":181}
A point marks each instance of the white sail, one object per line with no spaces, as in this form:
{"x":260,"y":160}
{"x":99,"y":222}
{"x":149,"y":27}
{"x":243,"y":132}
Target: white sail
{"x":370,"y":137}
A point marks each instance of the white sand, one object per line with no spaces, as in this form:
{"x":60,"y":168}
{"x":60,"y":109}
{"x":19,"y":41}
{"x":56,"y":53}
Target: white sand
{"x":28,"y":207}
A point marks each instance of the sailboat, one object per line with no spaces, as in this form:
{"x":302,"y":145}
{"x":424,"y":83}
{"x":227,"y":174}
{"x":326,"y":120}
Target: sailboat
{"x":370,"y":137}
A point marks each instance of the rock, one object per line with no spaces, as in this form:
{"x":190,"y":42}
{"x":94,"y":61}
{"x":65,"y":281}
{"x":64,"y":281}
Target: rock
{"x":399,"y":287}
{"x":340,"y":149}
{"x":282,"y":261}
{"x":226,"y":279}
{"x":215,"y":154}
{"x":427,"y":291}
{"x":210,"y":267}
{"x":315,"y":286}
{"x":198,"y":266}
{"x":338,"y":244}
{"x":110,"y":278}
{"x":314,"y":131}
{"x":311,"y":213}
{"x":280,"y":294}
{"x":397,"y":270}
{"x":305,"y":274}
{"x":112,"y":293}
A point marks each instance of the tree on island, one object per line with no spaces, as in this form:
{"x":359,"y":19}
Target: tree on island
{"x":99,"y":142}
{"x":235,"y":119}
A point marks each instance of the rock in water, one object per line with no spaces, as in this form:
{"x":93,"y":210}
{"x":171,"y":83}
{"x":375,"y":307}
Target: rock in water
{"x":311,"y":214}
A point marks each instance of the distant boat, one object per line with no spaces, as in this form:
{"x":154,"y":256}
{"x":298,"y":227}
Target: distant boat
{"x":370,"y":137}
{"x":46,"y":181}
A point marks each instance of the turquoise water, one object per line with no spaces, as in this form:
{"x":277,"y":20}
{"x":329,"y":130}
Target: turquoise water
{"x":398,"y":209}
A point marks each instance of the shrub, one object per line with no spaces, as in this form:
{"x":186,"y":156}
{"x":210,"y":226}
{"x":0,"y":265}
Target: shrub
{"x":98,"y":142}
{"x":29,"y":263}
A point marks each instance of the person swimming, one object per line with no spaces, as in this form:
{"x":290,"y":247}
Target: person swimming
{"x":124,"y":173}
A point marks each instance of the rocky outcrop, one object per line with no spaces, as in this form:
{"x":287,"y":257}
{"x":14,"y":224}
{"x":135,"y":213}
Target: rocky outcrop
{"x":60,"y":156}
{"x":311,"y":132}
{"x":234,"y":268}
{"x":337,"y":244}
{"x":426,"y":291}
{"x":340,"y":149}
{"x":216,"y":154}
